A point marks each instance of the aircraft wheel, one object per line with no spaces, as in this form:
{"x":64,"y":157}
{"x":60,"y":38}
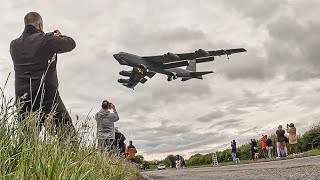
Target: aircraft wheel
{"x":175,"y":77}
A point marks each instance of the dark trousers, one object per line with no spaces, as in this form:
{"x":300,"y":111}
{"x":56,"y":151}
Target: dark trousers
{"x":265,"y":153}
{"x":47,"y":101}
{"x":106,"y":144}
{"x":253,"y":152}
{"x":294,"y":148}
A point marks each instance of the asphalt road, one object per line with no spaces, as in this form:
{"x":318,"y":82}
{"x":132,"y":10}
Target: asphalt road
{"x":297,"y":168}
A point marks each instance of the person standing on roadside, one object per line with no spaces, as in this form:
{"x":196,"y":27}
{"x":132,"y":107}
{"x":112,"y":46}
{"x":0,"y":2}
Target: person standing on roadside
{"x":293,"y":140}
{"x":281,"y":141}
{"x":264,"y":146}
{"x":254,"y":149}
{"x":234,"y":151}
{"x":269,"y":147}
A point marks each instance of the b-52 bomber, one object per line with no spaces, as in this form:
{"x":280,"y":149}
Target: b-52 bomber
{"x":167,"y":64}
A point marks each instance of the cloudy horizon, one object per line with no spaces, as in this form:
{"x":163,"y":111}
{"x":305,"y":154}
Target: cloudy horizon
{"x":277,"y":81}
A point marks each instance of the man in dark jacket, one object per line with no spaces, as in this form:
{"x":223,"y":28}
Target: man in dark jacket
{"x":119,"y":141}
{"x":269,"y":147}
{"x":234,"y":151}
{"x":254,"y":149}
{"x":34,"y":56}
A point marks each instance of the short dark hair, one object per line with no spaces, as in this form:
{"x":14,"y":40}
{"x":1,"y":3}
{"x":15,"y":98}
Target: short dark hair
{"x":32,"y":18}
{"x":105,"y":104}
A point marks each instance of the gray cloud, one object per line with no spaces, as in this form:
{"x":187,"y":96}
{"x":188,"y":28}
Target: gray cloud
{"x":274,"y":82}
{"x":185,"y":141}
{"x":292,"y":39}
{"x":228,"y":123}
{"x":211,"y":116}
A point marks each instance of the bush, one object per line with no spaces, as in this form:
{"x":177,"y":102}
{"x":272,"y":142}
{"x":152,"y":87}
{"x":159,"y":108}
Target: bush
{"x":310,"y":139}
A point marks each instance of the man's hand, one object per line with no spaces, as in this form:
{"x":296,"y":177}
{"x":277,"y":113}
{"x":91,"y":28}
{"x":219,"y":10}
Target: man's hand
{"x":57,"y":33}
{"x":113,"y":107}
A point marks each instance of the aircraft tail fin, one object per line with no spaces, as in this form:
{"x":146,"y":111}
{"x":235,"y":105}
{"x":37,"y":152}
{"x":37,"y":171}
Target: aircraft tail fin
{"x":192,"y":65}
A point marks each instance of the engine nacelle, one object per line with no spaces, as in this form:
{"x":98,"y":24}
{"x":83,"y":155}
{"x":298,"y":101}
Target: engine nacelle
{"x":141,"y":69}
{"x":125,"y":73}
{"x":143,"y":80}
{"x":123,"y":80}
{"x":171,"y":56}
{"x":201,"y":53}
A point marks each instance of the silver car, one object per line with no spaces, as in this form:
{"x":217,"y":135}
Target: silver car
{"x":161,"y":167}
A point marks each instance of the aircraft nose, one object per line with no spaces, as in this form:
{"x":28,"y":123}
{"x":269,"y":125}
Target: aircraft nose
{"x":120,"y":59}
{"x":116,"y":56}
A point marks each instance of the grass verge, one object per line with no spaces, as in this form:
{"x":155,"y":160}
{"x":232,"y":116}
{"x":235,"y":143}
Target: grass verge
{"x":24,"y":156}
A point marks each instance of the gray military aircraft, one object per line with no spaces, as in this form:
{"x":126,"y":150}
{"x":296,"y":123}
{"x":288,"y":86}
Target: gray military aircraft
{"x":167,"y":64}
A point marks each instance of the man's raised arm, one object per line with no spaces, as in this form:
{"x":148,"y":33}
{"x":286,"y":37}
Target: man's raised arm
{"x":59,"y":43}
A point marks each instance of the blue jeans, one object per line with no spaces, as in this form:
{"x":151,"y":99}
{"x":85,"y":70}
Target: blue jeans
{"x":234,"y":157}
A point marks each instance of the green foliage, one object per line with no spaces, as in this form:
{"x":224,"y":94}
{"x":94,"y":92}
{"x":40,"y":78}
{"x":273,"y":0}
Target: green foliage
{"x":310,"y":139}
{"x":139,"y":159}
{"x":244,"y":152}
{"x":169,"y":161}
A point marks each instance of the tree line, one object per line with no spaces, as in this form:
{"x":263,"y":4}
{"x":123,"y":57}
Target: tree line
{"x":309,"y":140}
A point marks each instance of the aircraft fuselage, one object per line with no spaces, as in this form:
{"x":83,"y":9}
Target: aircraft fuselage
{"x":136,"y":61}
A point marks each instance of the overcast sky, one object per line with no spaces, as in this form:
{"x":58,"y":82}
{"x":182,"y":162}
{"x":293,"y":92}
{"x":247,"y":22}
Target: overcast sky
{"x":276,"y":82}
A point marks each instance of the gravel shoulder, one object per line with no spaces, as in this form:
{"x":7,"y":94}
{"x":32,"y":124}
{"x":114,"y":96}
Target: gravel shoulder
{"x":297,"y":168}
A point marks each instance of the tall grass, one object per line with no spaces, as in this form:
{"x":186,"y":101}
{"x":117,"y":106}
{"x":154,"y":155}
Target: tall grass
{"x":24,"y":156}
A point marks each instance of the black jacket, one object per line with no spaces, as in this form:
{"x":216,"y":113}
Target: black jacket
{"x":253,"y":144}
{"x":120,"y":137}
{"x":269,"y":142}
{"x":119,"y":140}
{"x":30,"y":54}
{"x":234,"y":147}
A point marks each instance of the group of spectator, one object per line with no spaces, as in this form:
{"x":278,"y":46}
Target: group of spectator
{"x":109,"y":137}
{"x":282,"y":140}
{"x":267,"y":146}
{"x":180,"y":163}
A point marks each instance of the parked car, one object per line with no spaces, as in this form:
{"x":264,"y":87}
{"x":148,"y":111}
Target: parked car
{"x":142,"y":166}
{"x":161,"y":167}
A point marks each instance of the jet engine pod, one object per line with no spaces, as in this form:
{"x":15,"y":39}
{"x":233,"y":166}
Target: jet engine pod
{"x":125,"y":73}
{"x":123,"y":80}
{"x":201,"y":53}
{"x":143,"y":80}
{"x":171,"y":56}
{"x":141,"y":69}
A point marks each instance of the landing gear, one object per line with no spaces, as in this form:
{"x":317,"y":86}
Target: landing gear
{"x":175,"y":77}
{"x":172,"y":77}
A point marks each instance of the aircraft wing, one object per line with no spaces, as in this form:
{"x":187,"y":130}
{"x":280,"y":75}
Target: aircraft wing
{"x":185,"y":63}
{"x":136,"y":77}
{"x":200,"y":55}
